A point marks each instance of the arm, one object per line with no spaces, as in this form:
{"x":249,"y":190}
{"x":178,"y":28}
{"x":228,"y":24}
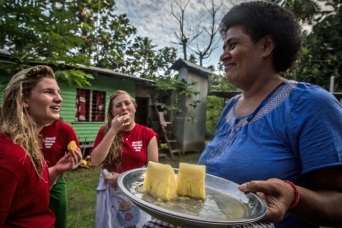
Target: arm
{"x":70,"y":161}
{"x":320,"y":206}
{"x":99,"y":154}
{"x":152,"y":150}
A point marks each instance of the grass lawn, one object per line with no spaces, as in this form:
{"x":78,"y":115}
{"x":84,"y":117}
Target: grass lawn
{"x":82,"y":183}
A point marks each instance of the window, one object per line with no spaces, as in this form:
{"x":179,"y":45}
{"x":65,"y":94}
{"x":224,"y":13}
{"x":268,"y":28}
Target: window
{"x":90,"y":106}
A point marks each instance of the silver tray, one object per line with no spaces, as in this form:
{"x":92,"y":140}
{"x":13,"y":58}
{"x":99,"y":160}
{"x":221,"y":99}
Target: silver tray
{"x":224,"y":205}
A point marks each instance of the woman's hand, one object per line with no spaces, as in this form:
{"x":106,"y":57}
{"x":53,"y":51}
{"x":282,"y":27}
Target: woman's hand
{"x":113,"y":179}
{"x":120,"y":122}
{"x":320,"y":206}
{"x":100,"y":152}
{"x":70,"y":161}
{"x":278,"y":195}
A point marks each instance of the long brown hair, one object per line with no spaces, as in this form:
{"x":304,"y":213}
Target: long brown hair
{"x":113,"y":158}
{"x":15,"y":119}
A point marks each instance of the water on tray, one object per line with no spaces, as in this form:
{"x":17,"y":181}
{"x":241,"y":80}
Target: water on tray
{"x":216,"y":205}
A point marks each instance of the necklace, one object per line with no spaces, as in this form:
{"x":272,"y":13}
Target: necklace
{"x":126,"y":137}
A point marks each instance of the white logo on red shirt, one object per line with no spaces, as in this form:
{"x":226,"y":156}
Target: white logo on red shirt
{"x":49,"y":141}
{"x":137,"y":146}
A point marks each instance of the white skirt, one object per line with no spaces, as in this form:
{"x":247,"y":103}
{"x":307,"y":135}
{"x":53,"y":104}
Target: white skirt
{"x":115,"y":210}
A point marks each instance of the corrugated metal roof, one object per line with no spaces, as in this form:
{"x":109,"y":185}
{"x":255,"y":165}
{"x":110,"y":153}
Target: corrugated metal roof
{"x":115,"y":74}
{"x":98,"y":70}
{"x":192,"y":67}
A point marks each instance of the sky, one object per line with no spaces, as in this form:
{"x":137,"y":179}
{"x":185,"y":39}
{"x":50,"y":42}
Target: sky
{"x":153,"y":19}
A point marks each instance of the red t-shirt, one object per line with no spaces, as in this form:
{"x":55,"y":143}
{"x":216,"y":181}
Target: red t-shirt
{"x":134,"y":148}
{"x":56,"y":138}
{"x":24,"y":196}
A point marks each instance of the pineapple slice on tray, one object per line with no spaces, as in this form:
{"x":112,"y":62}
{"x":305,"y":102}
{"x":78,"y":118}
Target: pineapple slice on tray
{"x":160,"y":181}
{"x":191,"y":180}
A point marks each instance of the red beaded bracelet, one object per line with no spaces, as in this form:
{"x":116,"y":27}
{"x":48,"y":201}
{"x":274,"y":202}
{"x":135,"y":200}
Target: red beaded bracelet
{"x":295,"y":202}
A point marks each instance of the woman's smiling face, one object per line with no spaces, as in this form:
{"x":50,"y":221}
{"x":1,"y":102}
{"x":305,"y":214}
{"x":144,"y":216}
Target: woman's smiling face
{"x":44,"y":102}
{"x":241,"y":57}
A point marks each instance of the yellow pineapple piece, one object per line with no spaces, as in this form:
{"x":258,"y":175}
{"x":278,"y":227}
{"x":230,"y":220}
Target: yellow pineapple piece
{"x":160,"y":181}
{"x":72,"y":145}
{"x":191,"y":180}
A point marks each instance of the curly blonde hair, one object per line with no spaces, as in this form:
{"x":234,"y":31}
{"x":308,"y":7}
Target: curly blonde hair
{"x":113,"y":158}
{"x":15,"y":119}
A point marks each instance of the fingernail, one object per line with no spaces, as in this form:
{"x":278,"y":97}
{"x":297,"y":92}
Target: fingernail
{"x":243,"y":187}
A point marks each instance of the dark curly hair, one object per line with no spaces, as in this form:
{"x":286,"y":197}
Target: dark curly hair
{"x":259,"y":19}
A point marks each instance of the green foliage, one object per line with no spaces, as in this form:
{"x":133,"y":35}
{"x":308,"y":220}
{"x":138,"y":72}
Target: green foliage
{"x":322,"y":46}
{"x":219,"y":82}
{"x":304,"y":10}
{"x":143,"y":61}
{"x":192,"y":119}
{"x":39,"y":32}
{"x":322,"y":52}
{"x":110,"y":41}
{"x":192,"y":59}
{"x":77,"y":32}
{"x":178,"y":90}
{"x":170,"y":86}
{"x":172,"y":108}
{"x":214,"y":108}
{"x":74,"y":76}
{"x":195,"y":103}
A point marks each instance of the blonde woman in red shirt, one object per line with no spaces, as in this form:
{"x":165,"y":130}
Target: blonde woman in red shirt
{"x":121,"y":145}
{"x":31,"y":101}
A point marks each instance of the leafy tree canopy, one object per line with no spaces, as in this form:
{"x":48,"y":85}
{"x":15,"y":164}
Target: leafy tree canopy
{"x":322,"y":53}
{"x":77,"y":32}
{"x":321,"y":44}
{"x":40,"y":32}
